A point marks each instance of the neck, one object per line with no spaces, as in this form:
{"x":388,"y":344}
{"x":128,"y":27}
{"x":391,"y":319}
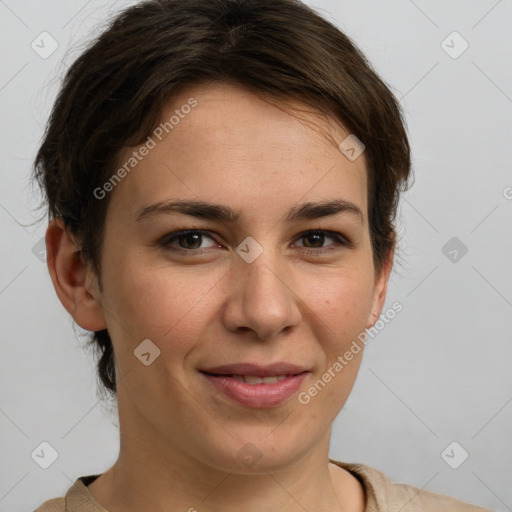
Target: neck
{"x":148,"y":479}
{"x":155,"y":472}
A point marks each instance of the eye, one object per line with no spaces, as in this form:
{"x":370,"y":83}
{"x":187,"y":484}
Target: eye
{"x":189,"y":241}
{"x":318,"y":236}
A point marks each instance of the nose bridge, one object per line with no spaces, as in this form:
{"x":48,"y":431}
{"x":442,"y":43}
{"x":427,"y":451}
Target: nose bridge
{"x":262,"y":274}
{"x":263,"y":298}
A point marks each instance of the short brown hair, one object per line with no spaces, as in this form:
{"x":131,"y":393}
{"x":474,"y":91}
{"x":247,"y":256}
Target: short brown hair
{"x":113,"y":94}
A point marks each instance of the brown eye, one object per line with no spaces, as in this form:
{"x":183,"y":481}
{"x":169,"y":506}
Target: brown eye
{"x":188,"y":241}
{"x":317,"y":238}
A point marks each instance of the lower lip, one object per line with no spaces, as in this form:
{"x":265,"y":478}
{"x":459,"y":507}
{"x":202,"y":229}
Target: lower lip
{"x":257,"y":395}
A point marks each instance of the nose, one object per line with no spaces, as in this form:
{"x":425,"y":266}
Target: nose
{"x":261,"y":297}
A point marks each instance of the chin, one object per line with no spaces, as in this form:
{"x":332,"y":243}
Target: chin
{"x":257,"y":454}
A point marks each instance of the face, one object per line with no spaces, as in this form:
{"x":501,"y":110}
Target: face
{"x":261,"y":289}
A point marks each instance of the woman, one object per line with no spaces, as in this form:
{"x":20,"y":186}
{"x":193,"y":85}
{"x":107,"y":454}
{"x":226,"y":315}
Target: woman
{"x":258,"y":128}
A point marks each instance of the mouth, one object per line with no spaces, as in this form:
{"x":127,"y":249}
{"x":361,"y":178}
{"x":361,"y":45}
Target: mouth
{"x":256,"y":386}
{"x":279,"y":369}
{"x":255,"y":379}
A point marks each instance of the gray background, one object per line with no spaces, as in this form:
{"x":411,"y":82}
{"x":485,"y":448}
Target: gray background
{"x":438,"y":373}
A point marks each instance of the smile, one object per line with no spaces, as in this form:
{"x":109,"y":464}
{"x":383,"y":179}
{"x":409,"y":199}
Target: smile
{"x":255,"y":391}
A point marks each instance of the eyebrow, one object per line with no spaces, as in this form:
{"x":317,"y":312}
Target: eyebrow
{"x":218,"y":212}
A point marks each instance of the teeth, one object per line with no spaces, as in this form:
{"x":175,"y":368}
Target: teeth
{"x":252,"y":379}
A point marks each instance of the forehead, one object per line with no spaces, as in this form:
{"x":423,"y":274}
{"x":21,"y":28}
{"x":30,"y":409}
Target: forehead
{"x":231,"y":112}
{"x":223,"y":143}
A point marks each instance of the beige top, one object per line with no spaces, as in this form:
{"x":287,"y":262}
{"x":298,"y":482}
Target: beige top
{"x":381,"y":495}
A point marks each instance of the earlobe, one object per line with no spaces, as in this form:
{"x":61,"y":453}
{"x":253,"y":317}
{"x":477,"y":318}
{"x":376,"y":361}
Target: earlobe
{"x":71,"y":278}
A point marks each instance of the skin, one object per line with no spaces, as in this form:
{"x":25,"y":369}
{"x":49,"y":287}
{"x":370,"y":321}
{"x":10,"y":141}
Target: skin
{"x":180,"y":439}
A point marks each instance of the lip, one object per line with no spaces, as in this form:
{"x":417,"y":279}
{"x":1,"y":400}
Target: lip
{"x":280,"y":368}
{"x":258,"y":396}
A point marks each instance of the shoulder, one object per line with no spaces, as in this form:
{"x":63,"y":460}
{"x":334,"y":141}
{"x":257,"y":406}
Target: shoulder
{"x":422,"y":500}
{"x":77,"y":499}
{"x":384,"y":495}
{"x":54,"y":505}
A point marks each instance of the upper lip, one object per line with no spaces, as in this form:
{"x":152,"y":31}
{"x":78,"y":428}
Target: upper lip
{"x":280,"y":368}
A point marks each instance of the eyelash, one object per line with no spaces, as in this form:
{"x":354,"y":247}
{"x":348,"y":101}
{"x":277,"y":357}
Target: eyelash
{"x":171,"y":237}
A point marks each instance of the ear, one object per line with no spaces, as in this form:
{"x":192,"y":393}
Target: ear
{"x":73,"y":280}
{"x":380,"y":288}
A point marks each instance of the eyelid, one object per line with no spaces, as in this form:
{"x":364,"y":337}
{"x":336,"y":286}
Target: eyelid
{"x":336,"y":235}
{"x":340,"y":239}
{"x":170,"y":237}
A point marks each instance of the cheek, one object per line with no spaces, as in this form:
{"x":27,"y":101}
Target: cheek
{"x":162,"y":304}
{"x":157,"y":302}
{"x":341,"y":314}
{"x":342,"y":302}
